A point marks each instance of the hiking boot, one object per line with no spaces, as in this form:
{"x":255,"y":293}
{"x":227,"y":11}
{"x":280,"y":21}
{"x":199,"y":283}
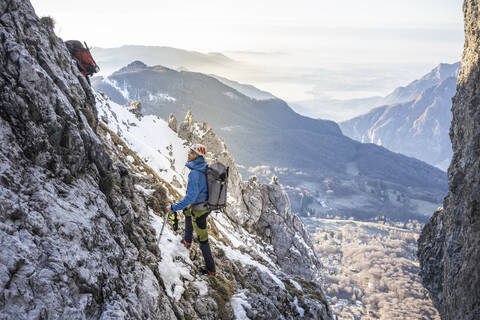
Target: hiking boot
{"x":186,"y":243}
{"x":205,"y":271}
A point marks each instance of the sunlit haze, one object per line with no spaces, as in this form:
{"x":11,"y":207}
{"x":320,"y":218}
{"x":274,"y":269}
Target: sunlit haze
{"x":300,"y":50}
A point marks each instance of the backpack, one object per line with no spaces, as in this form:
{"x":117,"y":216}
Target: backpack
{"x":217,"y":179}
{"x":83,"y":57}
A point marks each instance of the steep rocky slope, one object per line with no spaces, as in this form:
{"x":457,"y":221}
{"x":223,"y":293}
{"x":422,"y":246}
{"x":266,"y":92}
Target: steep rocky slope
{"x":72,"y":245}
{"x":259,"y":233}
{"x":449,"y":247}
{"x":83,"y":184}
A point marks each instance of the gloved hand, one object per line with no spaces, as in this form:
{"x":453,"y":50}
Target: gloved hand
{"x":174,"y":218}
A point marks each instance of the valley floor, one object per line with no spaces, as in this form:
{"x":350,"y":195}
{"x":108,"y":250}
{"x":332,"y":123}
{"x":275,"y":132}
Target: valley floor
{"x":371,"y":269}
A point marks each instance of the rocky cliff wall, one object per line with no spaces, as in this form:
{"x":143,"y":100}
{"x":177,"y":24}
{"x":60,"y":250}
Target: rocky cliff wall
{"x":74,"y":244}
{"x":449,"y":247}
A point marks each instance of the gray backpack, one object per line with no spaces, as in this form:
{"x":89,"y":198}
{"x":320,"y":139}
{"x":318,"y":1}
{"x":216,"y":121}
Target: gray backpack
{"x":217,"y":178}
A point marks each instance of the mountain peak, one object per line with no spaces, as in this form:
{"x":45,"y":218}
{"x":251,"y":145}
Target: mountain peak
{"x":443,"y":71}
{"x":133,"y":66}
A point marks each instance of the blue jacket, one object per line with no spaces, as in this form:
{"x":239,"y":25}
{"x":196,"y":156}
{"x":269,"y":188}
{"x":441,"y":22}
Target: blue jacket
{"x":197,"y":185}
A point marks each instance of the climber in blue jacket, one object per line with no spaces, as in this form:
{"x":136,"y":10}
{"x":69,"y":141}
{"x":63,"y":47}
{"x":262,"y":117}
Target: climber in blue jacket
{"x":194,"y":205}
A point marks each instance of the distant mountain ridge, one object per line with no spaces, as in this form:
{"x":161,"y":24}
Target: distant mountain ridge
{"x":417,"y":127}
{"x":112,"y":59}
{"x":344,"y":110}
{"x":324,"y":171}
{"x":246,"y":89}
{"x":439,"y":74}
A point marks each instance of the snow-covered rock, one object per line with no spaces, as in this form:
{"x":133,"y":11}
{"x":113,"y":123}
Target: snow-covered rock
{"x":76,"y":237}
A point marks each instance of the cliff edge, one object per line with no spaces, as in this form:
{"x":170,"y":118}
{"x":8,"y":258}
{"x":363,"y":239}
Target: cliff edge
{"x":449,"y":247}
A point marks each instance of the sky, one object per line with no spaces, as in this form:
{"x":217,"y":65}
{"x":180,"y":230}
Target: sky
{"x":312,"y":48}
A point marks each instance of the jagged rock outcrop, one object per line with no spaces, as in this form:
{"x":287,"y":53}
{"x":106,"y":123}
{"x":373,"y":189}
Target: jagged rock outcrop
{"x":270,"y":215}
{"x":261,"y":208}
{"x":449,"y":247}
{"x":195,"y":132}
{"x":173,"y":123}
{"x":136,"y":108}
{"x":76,"y":239}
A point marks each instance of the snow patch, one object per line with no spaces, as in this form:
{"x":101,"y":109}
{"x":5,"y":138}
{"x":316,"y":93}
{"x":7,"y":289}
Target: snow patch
{"x":239,"y":303}
{"x":123,"y":90}
{"x":160,"y":97}
{"x":299,"y":309}
{"x":241,"y":238}
{"x":149,"y":137}
{"x":175,"y":259}
{"x":144,"y":190}
{"x":245,"y":259}
{"x":296,"y":285}
{"x":232,"y":95}
{"x":230,"y":128}
{"x":202,"y":287}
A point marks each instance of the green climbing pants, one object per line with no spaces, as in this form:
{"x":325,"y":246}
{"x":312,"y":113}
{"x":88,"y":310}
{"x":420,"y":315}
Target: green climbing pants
{"x":199,"y":222}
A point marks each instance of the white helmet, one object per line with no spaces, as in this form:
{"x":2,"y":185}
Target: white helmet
{"x":199,"y":149}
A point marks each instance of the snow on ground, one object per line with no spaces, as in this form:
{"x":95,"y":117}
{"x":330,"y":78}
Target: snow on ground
{"x":299,"y":309}
{"x":145,"y":191}
{"x":159,"y":146}
{"x":202,"y":286}
{"x":198,"y":130}
{"x":240,"y":238}
{"x":175,"y":264}
{"x":246,"y":259}
{"x":123,"y":90}
{"x":160,"y":97}
{"x":302,"y":242}
{"x":150,"y":137}
{"x":296,"y":285}
{"x":239,"y":303}
{"x":231,"y":95}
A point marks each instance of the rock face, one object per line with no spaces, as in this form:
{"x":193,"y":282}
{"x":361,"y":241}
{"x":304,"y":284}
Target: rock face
{"x":270,"y":216}
{"x":73,"y":246}
{"x":173,"y":123}
{"x":449,"y":248}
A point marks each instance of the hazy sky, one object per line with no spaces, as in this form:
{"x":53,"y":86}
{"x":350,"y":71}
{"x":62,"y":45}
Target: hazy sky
{"x":384,"y":43}
{"x":209,"y":25}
